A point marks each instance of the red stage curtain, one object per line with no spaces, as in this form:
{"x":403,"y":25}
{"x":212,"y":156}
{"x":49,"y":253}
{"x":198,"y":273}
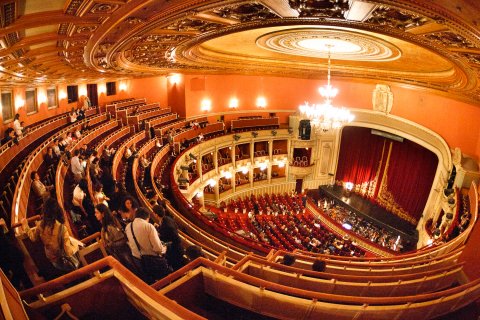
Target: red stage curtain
{"x":360,"y":159}
{"x":409,"y":176}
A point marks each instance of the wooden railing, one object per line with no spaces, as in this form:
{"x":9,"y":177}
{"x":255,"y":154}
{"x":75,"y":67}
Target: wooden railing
{"x":264,"y":297}
{"x":23,"y":187}
{"x":240,"y":124}
{"x":148,"y":301}
{"x":6,"y":154}
{"x":192,"y":133}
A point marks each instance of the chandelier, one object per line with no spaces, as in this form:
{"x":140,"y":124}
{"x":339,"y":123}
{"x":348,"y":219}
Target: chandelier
{"x":325,"y":116}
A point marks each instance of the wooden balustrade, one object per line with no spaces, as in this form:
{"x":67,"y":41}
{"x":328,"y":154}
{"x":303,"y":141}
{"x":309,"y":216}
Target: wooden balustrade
{"x":8,"y":154}
{"x":193,"y":133}
{"x":258,"y":123}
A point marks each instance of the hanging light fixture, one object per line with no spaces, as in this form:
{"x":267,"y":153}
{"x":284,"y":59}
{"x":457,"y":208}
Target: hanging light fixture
{"x":325,"y":116}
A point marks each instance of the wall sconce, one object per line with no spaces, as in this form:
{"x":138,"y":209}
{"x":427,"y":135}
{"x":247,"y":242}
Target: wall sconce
{"x":102,"y":88}
{"x":206,"y":105}
{"x":42,"y":98}
{"x":62,"y":95}
{"x":184,"y":167}
{"x":122,"y":86}
{"x":192,"y":156}
{"x":174,"y":78}
{"x":233,"y":103}
{"x":227,"y":175}
{"x":261,"y":102}
{"x":281,"y":164}
{"x":82,"y":90}
{"x":244,"y":169}
{"x":254,"y":134}
{"x":274,"y":132}
{"x":19,"y":102}
{"x":236,"y":137}
{"x":199,"y":194}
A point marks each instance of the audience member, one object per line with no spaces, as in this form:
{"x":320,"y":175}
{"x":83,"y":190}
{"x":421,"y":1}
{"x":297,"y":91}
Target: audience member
{"x":39,"y":189}
{"x":114,"y":238}
{"x":76,"y":166}
{"x":17,"y":126}
{"x":168,"y":232}
{"x":318,"y":265}
{"x":143,"y":240}
{"x":49,"y":230}
{"x":288,"y":259}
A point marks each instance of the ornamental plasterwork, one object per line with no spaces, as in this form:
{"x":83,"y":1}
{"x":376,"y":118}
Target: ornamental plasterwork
{"x":473,"y":58}
{"x":245,"y":12}
{"x":103,"y":8}
{"x":395,"y":18}
{"x":449,"y":39}
{"x":382,"y":98}
{"x":320,"y":8}
{"x":194,"y":25}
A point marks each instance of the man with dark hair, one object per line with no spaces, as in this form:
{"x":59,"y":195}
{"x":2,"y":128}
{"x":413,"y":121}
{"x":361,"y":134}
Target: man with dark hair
{"x":319,"y":265}
{"x":288,"y":259}
{"x":193,"y":252}
{"x":168,"y":232}
{"x":143,"y":241}
{"x":9,"y":135}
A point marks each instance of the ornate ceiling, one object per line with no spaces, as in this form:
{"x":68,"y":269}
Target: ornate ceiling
{"x":432,"y":44}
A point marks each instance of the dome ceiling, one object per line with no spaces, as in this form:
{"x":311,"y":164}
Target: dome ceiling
{"x":428,"y":44}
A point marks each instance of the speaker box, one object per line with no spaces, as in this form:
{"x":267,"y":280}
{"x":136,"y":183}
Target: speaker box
{"x":304,"y":129}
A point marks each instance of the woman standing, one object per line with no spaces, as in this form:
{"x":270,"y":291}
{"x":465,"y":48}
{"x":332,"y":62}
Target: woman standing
{"x":113,"y":237}
{"x":53,"y":232}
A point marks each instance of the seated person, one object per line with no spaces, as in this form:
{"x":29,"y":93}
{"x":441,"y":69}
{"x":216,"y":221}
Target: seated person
{"x":9,"y":136}
{"x":39,"y":189}
{"x":288,"y":259}
{"x":319,"y":265}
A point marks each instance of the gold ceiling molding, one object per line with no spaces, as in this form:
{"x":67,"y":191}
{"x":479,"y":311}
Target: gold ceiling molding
{"x":110,"y":39}
{"x":347,"y":45}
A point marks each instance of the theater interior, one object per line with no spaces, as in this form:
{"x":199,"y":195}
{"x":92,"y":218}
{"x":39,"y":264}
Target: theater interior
{"x":346,"y":131}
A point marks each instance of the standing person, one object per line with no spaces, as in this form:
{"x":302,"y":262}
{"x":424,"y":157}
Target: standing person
{"x":113,"y":237}
{"x":144,"y":243}
{"x":17,"y":126}
{"x":168,"y":232}
{"x":52,"y":231}
{"x":76,"y":166}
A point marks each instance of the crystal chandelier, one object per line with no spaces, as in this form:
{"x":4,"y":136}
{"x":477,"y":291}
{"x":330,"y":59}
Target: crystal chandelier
{"x":325,"y":116}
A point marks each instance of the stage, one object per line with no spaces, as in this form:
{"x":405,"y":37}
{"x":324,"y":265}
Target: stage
{"x":372,"y":212}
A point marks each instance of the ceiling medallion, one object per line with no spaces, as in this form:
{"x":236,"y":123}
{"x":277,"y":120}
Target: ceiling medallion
{"x":311,"y":42}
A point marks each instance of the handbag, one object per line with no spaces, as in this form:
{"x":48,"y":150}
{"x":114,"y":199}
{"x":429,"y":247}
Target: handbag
{"x":65,"y":262}
{"x":153,"y":266}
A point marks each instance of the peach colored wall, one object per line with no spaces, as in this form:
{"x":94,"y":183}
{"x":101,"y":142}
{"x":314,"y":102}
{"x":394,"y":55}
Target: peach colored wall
{"x":153,"y":89}
{"x":63,"y":105}
{"x":457,"y":122}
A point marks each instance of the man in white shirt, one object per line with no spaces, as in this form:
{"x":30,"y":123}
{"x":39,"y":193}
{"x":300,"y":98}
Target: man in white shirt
{"x":145,"y":243}
{"x":76,"y":166}
{"x":17,"y":126}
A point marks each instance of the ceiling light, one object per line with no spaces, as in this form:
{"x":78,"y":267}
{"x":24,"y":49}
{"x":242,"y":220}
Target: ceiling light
{"x":325,"y":116}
